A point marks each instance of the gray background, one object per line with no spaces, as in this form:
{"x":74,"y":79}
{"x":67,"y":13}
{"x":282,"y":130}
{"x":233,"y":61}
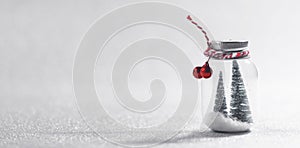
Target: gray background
{"x":39,"y":39}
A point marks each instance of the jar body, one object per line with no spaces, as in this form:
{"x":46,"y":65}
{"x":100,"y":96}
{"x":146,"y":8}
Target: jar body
{"x":232,"y":95}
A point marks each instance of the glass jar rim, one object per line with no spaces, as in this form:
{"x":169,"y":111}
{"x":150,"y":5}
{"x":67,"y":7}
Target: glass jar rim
{"x":227,"y":46}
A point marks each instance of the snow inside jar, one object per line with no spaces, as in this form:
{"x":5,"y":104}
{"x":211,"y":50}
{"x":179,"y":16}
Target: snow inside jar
{"x":231,"y":89}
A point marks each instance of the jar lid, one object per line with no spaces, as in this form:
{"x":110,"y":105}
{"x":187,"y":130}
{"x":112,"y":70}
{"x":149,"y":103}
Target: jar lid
{"x":229,"y":45}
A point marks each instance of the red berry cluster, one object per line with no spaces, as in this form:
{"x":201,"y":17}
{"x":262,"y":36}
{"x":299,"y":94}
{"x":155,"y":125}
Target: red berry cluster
{"x":202,"y":72}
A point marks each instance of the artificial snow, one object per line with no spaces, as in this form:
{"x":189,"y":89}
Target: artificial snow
{"x":218,"y":122}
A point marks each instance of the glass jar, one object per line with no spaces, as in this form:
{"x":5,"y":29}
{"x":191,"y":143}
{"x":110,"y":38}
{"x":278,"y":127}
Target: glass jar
{"x":232,"y":89}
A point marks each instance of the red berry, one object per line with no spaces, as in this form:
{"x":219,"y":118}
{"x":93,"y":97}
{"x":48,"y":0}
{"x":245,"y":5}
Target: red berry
{"x":196,"y":72}
{"x":206,"y":71}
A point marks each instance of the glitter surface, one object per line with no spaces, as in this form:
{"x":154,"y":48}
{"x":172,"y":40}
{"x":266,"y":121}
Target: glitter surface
{"x":59,"y":124}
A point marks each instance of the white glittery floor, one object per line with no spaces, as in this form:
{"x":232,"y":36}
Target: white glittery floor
{"x":59,"y":124}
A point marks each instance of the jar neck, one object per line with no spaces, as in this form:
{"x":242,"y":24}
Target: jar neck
{"x":236,"y":53}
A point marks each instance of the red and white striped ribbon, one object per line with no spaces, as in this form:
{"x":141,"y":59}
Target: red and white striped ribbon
{"x":214,"y":53}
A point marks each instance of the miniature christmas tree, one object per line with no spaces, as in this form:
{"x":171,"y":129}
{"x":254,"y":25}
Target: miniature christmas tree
{"x":240,"y":109}
{"x":220,"y":102}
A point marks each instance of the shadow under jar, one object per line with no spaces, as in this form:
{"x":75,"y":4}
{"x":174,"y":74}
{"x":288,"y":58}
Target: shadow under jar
{"x":232,"y":89}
